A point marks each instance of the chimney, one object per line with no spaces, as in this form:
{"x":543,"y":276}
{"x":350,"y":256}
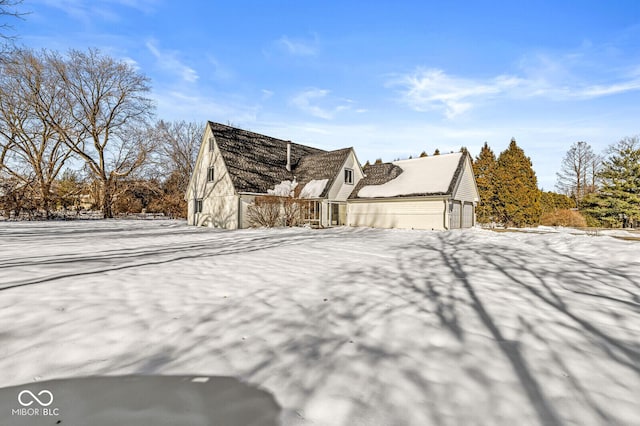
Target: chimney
{"x":288,"y":156}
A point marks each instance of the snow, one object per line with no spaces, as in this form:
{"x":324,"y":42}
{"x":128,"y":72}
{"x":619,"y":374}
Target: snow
{"x":344,"y":326}
{"x":425,"y":175}
{"x":283,"y":189}
{"x":313,"y":188}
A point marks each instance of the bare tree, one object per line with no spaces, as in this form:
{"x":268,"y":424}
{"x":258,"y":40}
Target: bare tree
{"x":579,"y":169}
{"x":8,"y":8}
{"x":108,"y":105}
{"x":179,"y":142}
{"x":31,"y":150}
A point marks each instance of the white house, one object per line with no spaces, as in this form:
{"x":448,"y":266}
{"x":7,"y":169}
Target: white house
{"x":234,"y":166}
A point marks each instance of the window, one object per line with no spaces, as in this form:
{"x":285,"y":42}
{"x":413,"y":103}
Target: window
{"x":211,"y":144}
{"x":198,"y":205}
{"x":210,"y":174}
{"x":348,"y":176}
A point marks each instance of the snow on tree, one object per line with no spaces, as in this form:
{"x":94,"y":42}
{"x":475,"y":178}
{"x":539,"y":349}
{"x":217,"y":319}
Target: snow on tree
{"x":516,"y":187}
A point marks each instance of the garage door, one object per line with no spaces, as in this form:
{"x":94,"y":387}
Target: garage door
{"x":467,"y":215}
{"x":454,"y":214}
{"x":422,"y":214}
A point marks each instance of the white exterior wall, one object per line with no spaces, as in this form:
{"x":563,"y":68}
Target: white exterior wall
{"x":467,"y":195}
{"x":220,"y":201}
{"x":340,"y":190}
{"x":392,"y":213}
{"x":245,"y":202}
{"x":467,"y":190}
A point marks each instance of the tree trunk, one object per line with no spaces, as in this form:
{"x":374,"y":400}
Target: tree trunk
{"x":107,"y":212}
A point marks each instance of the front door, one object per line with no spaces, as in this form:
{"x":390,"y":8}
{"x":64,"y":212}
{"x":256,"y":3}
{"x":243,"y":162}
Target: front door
{"x":337,"y":214}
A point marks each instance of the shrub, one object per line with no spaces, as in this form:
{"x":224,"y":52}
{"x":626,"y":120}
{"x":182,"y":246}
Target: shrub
{"x":266,"y":211}
{"x":563,"y":217}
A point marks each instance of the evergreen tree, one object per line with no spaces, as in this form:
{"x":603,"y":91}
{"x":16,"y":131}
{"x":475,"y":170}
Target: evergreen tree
{"x":436,"y":152}
{"x":618,"y":202}
{"x":483,"y":169}
{"x":516,"y":186}
{"x":423,"y":154}
{"x":552,"y":201}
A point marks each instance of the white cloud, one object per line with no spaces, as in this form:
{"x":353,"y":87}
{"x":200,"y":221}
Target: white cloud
{"x":298,"y":47}
{"x":311,"y":100}
{"x":433,"y":89}
{"x":218,"y":71}
{"x":88,"y":10}
{"x":169,"y":61}
{"x":179,"y":105}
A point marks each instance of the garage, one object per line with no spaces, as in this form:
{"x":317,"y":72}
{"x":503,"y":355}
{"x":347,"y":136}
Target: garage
{"x":454,"y":214}
{"x":404,"y":214}
{"x":437,"y":192}
{"x":467,"y":215}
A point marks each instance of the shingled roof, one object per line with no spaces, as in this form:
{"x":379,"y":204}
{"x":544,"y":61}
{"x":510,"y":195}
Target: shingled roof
{"x":257,"y":163}
{"x":440,"y":172}
{"x":321,"y":166}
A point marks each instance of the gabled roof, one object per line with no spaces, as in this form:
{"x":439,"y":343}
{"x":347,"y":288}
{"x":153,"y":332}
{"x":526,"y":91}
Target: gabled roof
{"x":256,"y":162}
{"x":436,"y":175}
{"x":322,"y":166}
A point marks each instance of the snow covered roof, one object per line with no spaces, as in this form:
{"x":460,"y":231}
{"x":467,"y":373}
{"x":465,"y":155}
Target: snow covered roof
{"x":436,"y":175}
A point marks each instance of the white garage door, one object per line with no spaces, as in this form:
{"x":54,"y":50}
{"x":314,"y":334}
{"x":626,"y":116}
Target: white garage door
{"x":422,"y":214}
{"x":454,"y":214}
{"x":467,"y":215}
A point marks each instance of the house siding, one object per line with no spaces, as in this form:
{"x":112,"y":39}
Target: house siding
{"x":340,"y":190}
{"x":404,"y":214}
{"x":220,"y":202}
{"x":466,"y":190}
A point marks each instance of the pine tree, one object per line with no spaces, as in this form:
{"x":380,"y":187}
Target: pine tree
{"x":423,"y":154}
{"x":483,"y":169}
{"x":618,"y":202}
{"x":516,"y":186}
{"x":436,"y":152}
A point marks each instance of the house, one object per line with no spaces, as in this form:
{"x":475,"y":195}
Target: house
{"x":235,"y":166}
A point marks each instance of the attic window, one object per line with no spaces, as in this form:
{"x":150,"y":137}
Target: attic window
{"x":348,"y":176}
{"x":211,"y":144}
{"x":210,"y":174}
{"x":198,"y":205}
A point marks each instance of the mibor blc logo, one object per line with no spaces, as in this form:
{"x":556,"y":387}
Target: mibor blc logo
{"x":35,"y":404}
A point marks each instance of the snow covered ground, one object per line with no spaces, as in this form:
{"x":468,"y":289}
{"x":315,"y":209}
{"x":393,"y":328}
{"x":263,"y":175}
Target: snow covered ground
{"x":344,"y":326}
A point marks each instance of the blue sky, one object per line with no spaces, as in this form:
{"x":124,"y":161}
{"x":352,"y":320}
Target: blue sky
{"x":391,"y":78}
